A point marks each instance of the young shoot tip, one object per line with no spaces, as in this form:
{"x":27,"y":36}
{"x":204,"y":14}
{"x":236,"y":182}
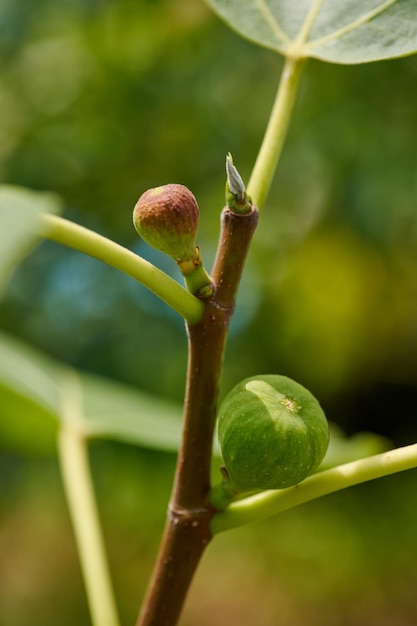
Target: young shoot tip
{"x":234,"y":180}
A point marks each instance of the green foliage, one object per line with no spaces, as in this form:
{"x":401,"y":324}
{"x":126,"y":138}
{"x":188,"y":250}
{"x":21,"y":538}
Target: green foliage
{"x":126,"y":414}
{"x":355,"y":32}
{"x":345,"y":312}
{"x":134,"y":121}
{"x":35,"y":389}
{"x":20,"y":211}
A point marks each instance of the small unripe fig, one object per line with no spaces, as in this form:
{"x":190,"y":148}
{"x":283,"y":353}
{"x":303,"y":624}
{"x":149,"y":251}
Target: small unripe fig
{"x":273,"y":433}
{"x":166,"y":218}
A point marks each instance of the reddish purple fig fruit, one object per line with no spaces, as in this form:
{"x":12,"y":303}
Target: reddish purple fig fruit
{"x":166,"y":218}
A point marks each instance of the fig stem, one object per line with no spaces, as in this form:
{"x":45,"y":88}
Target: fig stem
{"x":187,"y":530}
{"x":166,"y":288}
{"x":198,"y":282}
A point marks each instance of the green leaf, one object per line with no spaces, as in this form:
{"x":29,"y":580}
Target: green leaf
{"x":338,"y":31}
{"x":20,"y":211}
{"x":26,"y":427}
{"x":30,"y":374}
{"x":116,"y":411}
{"x":36,"y":392}
{"x":29,"y":398}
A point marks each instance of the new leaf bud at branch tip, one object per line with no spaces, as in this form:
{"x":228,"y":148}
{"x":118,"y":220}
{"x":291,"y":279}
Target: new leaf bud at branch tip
{"x":236,"y":197}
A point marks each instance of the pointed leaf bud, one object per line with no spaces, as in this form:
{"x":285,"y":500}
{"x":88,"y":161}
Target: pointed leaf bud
{"x":237,"y":199}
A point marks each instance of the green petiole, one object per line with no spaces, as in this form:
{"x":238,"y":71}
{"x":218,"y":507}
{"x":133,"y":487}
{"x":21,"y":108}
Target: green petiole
{"x":276,"y":132}
{"x":75,"y":236}
{"x":79,"y":490}
{"x":269,"y":503}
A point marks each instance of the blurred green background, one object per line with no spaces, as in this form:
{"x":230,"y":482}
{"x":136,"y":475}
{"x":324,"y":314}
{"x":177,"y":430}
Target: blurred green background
{"x":102,"y":99}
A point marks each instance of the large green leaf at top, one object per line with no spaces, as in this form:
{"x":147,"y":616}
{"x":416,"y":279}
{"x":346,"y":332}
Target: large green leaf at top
{"x":37,"y":392}
{"x":338,"y":31}
{"x":20,"y":211}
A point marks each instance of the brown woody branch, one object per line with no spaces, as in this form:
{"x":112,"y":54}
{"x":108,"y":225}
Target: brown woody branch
{"x":187,"y":531}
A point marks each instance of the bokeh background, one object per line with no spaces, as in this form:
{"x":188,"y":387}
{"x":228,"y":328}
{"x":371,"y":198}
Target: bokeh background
{"x":102,"y":99}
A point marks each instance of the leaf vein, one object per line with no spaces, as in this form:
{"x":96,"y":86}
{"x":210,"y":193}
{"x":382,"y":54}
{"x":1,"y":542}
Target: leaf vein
{"x":269,"y":18}
{"x":309,"y":22}
{"x":353,"y":26}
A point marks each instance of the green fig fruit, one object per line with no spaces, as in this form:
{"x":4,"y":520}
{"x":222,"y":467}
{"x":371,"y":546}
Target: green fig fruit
{"x":272,"y":432}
